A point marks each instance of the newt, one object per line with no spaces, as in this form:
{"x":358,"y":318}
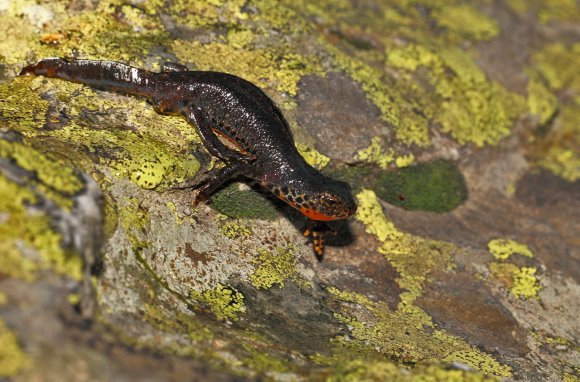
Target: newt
{"x":237,"y":122}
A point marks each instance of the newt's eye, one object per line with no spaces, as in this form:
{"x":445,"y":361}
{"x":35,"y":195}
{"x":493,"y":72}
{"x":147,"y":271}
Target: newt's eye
{"x":330,"y":200}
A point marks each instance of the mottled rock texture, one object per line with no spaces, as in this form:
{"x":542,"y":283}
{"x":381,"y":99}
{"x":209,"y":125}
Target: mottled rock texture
{"x":457,"y":124}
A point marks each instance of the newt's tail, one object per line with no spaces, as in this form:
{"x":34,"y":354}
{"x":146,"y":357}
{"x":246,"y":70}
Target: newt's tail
{"x":104,"y":75}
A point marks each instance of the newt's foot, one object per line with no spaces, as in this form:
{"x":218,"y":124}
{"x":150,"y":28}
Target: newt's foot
{"x":318,"y":230}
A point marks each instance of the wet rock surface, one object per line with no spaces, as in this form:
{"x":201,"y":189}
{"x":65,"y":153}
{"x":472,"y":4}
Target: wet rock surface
{"x":107,"y":273}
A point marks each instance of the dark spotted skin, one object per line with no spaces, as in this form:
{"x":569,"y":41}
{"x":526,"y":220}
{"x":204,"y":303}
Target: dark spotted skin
{"x":238,"y":124}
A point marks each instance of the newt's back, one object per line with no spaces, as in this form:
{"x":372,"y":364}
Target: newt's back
{"x":235,"y":108}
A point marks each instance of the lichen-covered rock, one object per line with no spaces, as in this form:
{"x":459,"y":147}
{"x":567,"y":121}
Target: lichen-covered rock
{"x":456,"y":123}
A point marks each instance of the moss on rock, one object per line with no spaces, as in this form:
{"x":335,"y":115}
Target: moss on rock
{"x":435,"y":186}
{"x":236,"y":203}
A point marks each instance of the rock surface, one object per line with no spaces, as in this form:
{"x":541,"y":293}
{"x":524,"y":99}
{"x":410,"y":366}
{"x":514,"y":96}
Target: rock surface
{"x":107,"y":274}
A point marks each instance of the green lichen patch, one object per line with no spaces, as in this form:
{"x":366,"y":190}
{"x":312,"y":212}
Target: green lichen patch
{"x":436,"y":186}
{"x":502,"y":249}
{"x":439,"y":21}
{"x":468,"y":106}
{"x":273,"y":268}
{"x":407,"y":103}
{"x":27,"y":241}
{"x":224,"y":301}
{"x":236,"y":203}
{"x":12,"y":358}
{"x":504,"y":273}
{"x":265,"y":362}
{"x":150,"y":156}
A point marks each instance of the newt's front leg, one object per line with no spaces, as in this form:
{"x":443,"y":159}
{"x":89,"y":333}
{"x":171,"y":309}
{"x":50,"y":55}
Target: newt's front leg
{"x":210,"y":140}
{"x":216,"y":178}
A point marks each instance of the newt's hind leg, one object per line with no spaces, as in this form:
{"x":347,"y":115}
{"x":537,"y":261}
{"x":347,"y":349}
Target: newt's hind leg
{"x":163,"y":106}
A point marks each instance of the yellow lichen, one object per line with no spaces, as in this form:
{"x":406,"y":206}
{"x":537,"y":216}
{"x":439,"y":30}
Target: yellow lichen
{"x":267,"y":68}
{"x":401,"y":333}
{"x":224,"y":301}
{"x":469,"y":107}
{"x":410,"y":126}
{"x":27,"y":241}
{"x":21,"y":106}
{"x":235,"y":230}
{"x":522,"y":282}
{"x":562,"y":162}
{"x":541,"y":101}
{"x":526,"y":283}
{"x":559,"y":10}
{"x":313,"y":157}
{"x":12,"y":359}
{"x":504,"y":273}
{"x":466,"y":21}
{"x":176,"y":323}
{"x":3,"y":299}
{"x":375,"y":153}
{"x":567,"y":377}
{"x":407,"y":334}
{"x":405,"y":160}
{"x":109,"y":32}
{"x":49,"y":172}
{"x":381,"y":370}
{"x":502,"y":249}
{"x":557,"y":64}
{"x":273,"y":268}
{"x":558,"y":150}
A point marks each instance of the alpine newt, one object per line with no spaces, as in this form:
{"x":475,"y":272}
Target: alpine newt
{"x":238,"y":123}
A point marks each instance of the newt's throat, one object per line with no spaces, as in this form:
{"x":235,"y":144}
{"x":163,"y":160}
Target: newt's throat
{"x":315,"y":215}
{"x":307,"y":210}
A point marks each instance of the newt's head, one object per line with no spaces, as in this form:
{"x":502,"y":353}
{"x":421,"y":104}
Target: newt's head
{"x":324,"y":199}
